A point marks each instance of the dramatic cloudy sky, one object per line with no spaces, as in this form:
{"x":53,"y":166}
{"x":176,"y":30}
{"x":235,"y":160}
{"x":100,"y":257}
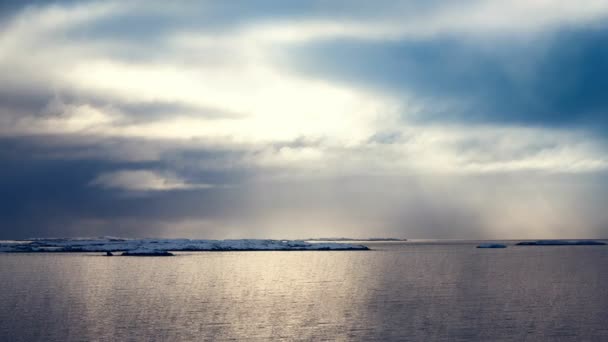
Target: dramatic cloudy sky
{"x":291,"y":119}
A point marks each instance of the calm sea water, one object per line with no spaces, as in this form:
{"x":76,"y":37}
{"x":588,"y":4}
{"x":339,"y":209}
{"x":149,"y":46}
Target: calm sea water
{"x":399,"y":291}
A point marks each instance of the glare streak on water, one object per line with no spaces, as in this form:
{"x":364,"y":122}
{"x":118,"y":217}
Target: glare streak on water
{"x":398,"y":291}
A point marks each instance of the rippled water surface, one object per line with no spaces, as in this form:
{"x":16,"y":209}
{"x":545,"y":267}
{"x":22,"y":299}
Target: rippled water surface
{"x":398,"y":291}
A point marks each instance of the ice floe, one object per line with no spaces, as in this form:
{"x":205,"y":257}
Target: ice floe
{"x":112,"y":244}
{"x":492,"y":245}
{"x":561,"y":243}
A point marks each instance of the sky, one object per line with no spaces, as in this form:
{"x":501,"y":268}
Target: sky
{"x":294,"y":119}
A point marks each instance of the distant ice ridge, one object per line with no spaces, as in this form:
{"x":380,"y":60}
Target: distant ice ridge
{"x":561,"y":243}
{"x":112,"y":244}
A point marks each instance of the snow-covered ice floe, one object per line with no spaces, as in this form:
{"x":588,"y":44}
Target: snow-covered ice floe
{"x":491,"y":245}
{"x":561,"y":243}
{"x":148,"y":246}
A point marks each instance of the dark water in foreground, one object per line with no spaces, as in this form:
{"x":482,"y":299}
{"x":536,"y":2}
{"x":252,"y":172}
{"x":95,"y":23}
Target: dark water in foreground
{"x":420,"y":292}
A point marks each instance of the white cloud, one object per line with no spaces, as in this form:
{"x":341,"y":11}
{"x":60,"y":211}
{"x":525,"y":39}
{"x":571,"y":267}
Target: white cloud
{"x":143,"y":180}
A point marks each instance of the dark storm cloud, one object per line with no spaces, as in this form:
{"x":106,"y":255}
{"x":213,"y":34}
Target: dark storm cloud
{"x":555,"y":79}
{"x":39,"y":191}
{"x":43,"y":194}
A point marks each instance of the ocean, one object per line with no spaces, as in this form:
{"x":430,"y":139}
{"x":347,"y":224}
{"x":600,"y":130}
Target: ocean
{"x":401,"y":291}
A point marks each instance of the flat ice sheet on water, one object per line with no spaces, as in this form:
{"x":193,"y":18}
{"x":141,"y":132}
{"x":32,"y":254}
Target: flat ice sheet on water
{"x":111,"y":244}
